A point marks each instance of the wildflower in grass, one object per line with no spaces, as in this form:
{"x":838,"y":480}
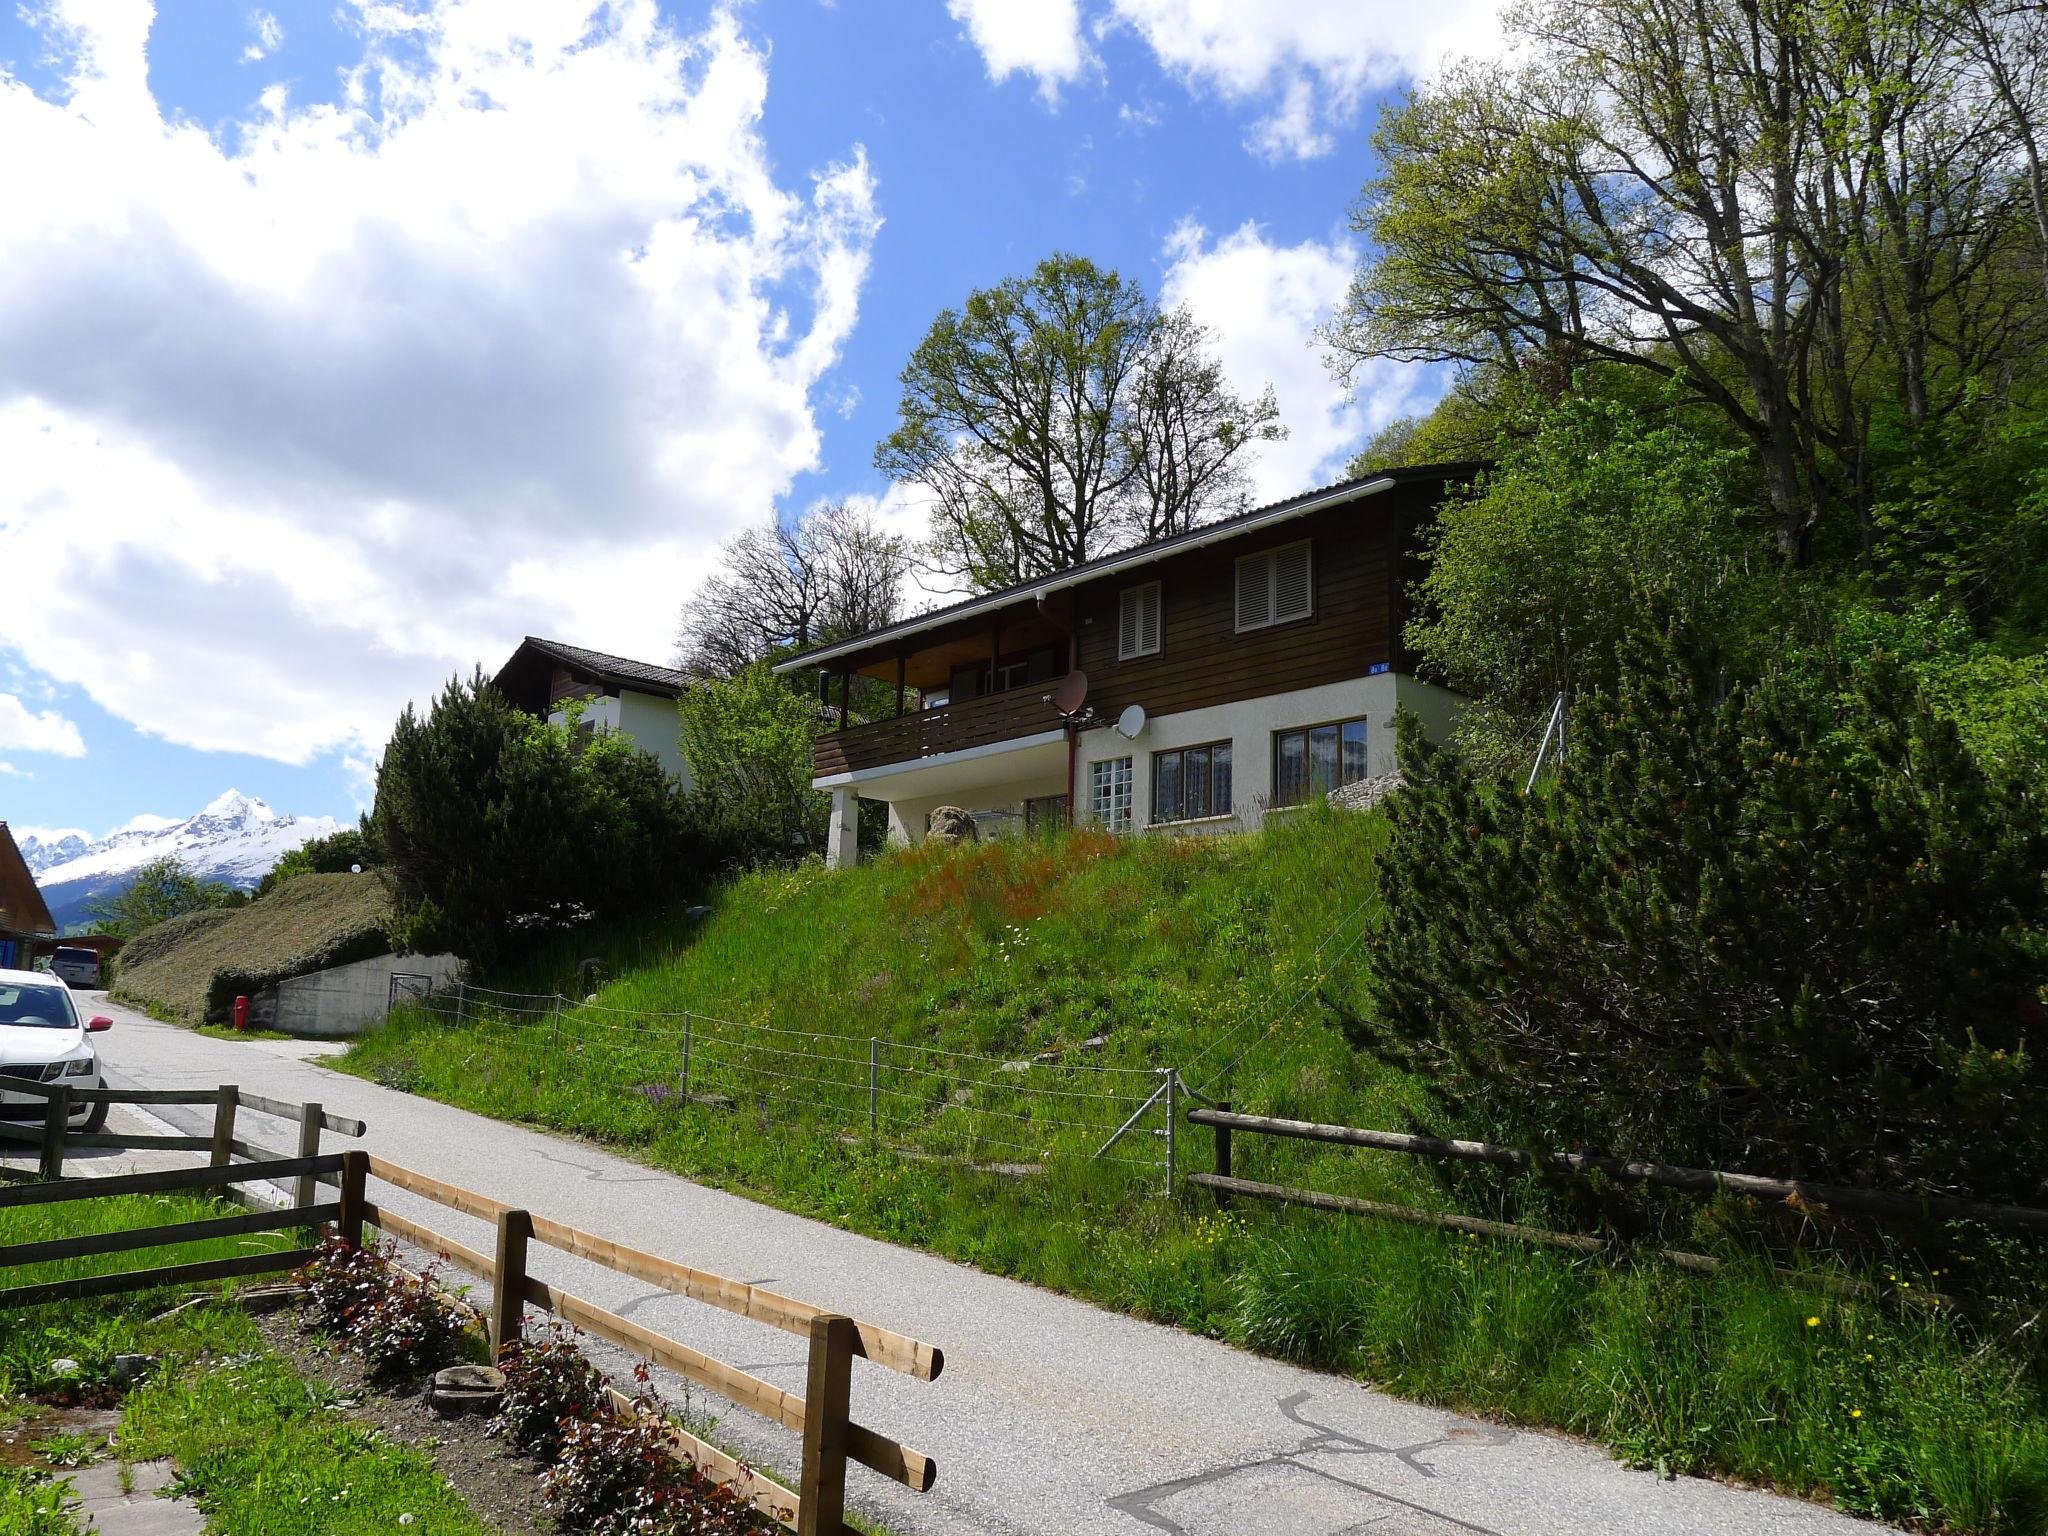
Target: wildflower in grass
{"x":1855,"y":1413}
{"x":1813,"y":1322}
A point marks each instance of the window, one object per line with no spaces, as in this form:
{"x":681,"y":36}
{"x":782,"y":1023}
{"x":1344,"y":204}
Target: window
{"x":1137,"y":622}
{"x":1276,"y":587}
{"x":1191,"y":783}
{"x":974,"y":679}
{"x":1109,"y":792}
{"x":1317,"y":759}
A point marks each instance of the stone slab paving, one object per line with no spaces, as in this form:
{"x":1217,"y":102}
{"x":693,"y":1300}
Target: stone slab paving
{"x":136,"y":1510}
{"x":1052,"y":1416}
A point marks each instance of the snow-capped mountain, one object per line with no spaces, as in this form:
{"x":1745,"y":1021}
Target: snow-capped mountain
{"x":235,"y":840}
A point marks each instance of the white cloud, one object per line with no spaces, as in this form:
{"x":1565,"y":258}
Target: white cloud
{"x":9,"y":771}
{"x":269,"y":37}
{"x":27,"y":731}
{"x":145,"y":823}
{"x":303,"y":417}
{"x":1040,"y":38}
{"x":1264,"y":303}
{"x":1305,"y":67}
{"x":47,"y":835}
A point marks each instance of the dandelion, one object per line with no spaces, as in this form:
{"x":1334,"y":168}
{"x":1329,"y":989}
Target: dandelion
{"x":1813,"y":1322}
{"x":1855,"y":1413}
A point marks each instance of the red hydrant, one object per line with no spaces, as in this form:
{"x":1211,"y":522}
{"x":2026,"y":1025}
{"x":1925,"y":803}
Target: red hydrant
{"x":241,"y":1013}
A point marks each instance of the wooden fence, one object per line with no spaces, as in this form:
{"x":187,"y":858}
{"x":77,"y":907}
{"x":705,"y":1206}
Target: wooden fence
{"x":55,"y":1134}
{"x":346,"y":1170}
{"x":1805,"y":1194}
{"x":821,"y":1415}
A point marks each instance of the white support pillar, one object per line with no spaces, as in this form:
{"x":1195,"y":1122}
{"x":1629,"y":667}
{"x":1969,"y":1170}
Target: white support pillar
{"x":842,"y":837}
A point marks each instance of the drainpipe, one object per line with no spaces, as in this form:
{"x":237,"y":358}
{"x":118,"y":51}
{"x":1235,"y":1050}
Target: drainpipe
{"x":1073,"y":750}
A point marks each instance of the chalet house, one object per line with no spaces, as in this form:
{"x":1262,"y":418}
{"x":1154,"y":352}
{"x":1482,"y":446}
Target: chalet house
{"x":634,"y":699}
{"x":25,"y":919}
{"x":1199,"y":683}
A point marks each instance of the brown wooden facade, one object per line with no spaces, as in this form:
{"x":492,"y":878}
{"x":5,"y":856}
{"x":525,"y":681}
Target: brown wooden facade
{"x":1362,"y":553}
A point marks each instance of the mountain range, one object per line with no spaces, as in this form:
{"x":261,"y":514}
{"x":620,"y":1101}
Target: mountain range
{"x":236,"y":840}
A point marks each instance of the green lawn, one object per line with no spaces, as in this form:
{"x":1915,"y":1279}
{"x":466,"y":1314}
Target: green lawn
{"x":1241,"y":961}
{"x":262,"y":1452}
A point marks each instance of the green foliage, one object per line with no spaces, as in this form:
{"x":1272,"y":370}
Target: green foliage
{"x":1057,"y":416}
{"x":1792,"y":927}
{"x":748,"y":742}
{"x":496,"y":826}
{"x":339,"y":853}
{"x":35,"y":1503}
{"x":1599,"y":510}
{"x":161,"y":890}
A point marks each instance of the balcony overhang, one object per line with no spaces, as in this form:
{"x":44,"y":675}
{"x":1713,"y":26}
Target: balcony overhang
{"x":943,"y":773}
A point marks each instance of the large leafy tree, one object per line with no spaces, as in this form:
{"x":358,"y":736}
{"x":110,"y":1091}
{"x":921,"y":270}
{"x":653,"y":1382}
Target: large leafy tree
{"x":495,"y":825}
{"x":162,"y":889}
{"x":1791,"y":209}
{"x":748,"y":741}
{"x":1059,"y":416}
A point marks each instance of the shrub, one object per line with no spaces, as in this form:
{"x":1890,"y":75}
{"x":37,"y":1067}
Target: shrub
{"x":342,"y":1282}
{"x":1788,"y":928}
{"x":396,"y":1322}
{"x":548,"y":1387}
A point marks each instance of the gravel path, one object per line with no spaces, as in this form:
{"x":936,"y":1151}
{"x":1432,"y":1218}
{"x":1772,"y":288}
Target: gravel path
{"x":1051,"y":1416}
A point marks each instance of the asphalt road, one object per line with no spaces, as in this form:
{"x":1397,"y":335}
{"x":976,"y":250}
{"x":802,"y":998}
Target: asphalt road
{"x":1051,"y":1416}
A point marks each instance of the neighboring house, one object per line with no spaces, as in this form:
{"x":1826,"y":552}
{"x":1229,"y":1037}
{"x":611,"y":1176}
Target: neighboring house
{"x":24,"y":916}
{"x":1264,"y":651}
{"x":634,"y":698}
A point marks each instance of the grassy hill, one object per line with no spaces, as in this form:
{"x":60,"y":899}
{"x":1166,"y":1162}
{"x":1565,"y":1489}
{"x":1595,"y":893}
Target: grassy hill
{"x":1007,"y":985}
{"x":192,"y":967}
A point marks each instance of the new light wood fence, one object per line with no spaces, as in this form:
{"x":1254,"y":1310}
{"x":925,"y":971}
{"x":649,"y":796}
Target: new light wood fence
{"x":821,"y":1415}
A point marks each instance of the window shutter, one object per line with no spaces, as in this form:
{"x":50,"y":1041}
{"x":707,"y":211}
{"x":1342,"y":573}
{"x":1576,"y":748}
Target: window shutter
{"x":1137,"y":629}
{"x":1294,"y":591}
{"x":1254,"y":595}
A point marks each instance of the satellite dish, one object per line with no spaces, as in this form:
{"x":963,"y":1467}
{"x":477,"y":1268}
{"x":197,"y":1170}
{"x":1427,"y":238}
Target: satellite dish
{"x":1072,"y":693}
{"x":1130,"y":722}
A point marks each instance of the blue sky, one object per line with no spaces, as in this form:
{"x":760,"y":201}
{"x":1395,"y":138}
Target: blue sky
{"x":343,"y":344}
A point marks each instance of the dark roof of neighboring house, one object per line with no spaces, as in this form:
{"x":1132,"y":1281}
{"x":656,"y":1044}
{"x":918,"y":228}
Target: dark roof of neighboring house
{"x":525,"y":676}
{"x":1256,"y":517}
{"x":22,"y":908}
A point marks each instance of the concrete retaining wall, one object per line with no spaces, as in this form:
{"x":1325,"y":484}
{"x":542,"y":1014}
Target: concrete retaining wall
{"x":353,"y":999}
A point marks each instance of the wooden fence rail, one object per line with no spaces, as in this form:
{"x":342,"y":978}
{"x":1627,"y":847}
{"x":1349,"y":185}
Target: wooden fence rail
{"x":214,"y":1176}
{"x":821,"y":1415}
{"x":55,"y":1136}
{"x":1699,"y":1181}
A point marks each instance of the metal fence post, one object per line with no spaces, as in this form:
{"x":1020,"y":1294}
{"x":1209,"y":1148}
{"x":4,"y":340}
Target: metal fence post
{"x":557,"y":1036}
{"x":1172,"y":1119}
{"x":461,"y":1003}
{"x":686,"y":1056}
{"x":874,"y":1080}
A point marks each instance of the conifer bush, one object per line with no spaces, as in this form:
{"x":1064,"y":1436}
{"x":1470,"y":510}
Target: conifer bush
{"x":1788,"y":928}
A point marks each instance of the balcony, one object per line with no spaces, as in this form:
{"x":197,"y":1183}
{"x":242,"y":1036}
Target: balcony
{"x":908,"y":738}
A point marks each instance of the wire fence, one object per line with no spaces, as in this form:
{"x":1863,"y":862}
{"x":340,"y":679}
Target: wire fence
{"x":982,"y":1110}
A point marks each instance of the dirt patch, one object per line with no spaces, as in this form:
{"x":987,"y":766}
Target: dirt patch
{"x":496,"y":1482}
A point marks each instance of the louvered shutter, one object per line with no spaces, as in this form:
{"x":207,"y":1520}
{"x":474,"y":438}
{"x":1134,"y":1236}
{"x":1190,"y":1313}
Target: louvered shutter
{"x":1294,"y":590}
{"x":1137,"y":632}
{"x":1254,"y":591}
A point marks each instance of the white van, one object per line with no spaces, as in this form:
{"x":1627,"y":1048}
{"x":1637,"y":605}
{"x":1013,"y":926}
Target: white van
{"x":76,"y":967}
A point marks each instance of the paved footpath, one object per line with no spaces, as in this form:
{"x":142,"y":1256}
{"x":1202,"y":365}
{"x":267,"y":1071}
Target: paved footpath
{"x":1052,"y":1417}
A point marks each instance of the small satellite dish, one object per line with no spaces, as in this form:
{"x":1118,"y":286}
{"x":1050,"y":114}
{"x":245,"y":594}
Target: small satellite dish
{"x":1130,"y":722}
{"x":355,"y":869}
{"x":1072,"y":693}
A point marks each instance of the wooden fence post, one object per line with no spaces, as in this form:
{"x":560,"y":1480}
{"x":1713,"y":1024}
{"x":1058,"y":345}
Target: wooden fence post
{"x":1223,"y":1157}
{"x":355,"y":1173}
{"x":56,"y":1121}
{"x":821,"y":1510}
{"x":224,"y":1124}
{"x":309,"y":1146}
{"x":508,"y":1285}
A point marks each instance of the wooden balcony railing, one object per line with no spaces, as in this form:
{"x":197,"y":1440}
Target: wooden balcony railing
{"x":994,"y":717}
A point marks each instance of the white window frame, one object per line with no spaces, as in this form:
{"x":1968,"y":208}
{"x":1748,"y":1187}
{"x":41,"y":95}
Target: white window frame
{"x":1111,"y":789}
{"x":1124,"y":602}
{"x":1269,"y":559}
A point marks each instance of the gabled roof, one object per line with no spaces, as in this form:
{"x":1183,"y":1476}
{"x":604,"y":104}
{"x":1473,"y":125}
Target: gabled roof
{"x":1142,"y":554}
{"x":536,"y":659}
{"x":22,"y":908}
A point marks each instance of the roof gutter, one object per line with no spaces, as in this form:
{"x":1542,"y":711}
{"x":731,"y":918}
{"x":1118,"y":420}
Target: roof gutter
{"x":1201,"y":538}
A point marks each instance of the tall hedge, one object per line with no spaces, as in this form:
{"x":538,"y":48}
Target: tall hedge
{"x":1791,"y":927}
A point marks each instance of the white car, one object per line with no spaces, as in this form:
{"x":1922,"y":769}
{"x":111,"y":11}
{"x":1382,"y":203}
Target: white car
{"x":43,"y":1041}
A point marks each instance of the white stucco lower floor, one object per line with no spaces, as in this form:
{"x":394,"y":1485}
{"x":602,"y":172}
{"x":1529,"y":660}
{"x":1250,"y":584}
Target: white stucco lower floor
{"x":998,"y":783}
